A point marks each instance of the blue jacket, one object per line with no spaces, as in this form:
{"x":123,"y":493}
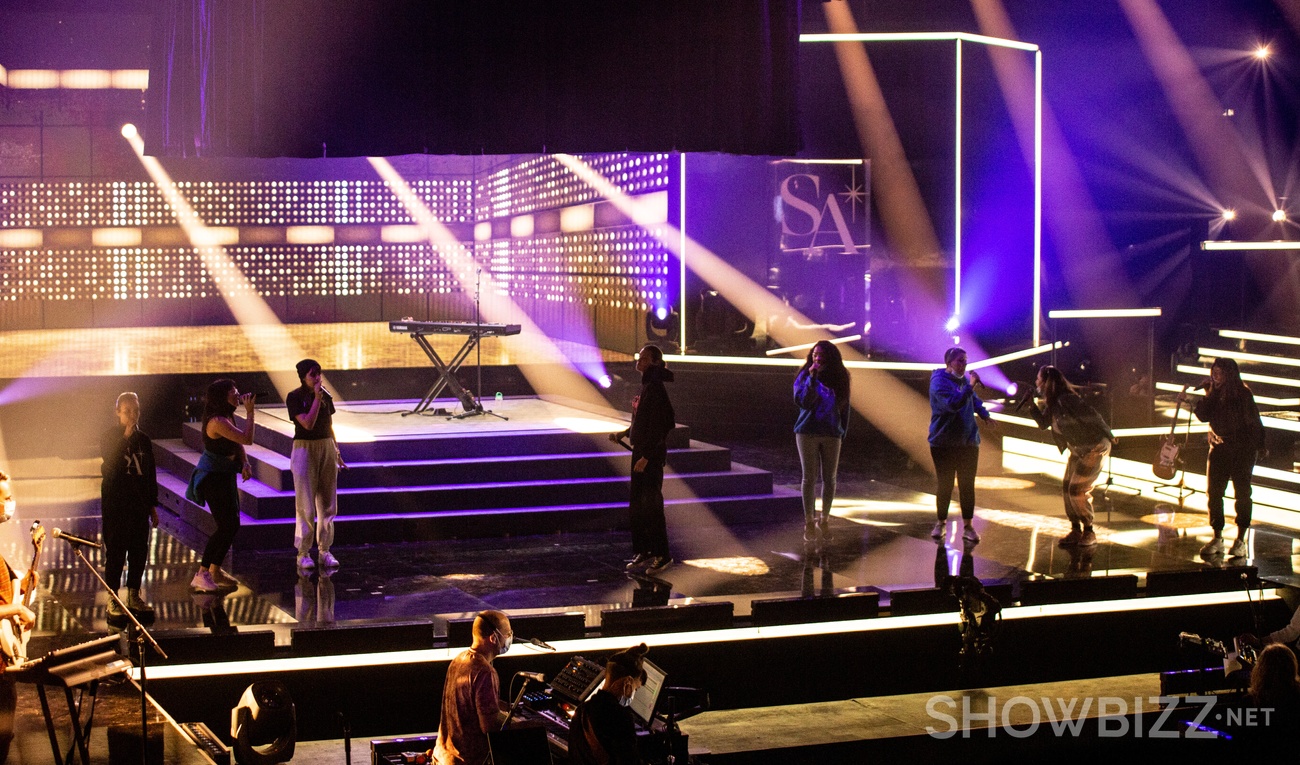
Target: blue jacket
{"x":820,"y":413}
{"x":953,"y":406}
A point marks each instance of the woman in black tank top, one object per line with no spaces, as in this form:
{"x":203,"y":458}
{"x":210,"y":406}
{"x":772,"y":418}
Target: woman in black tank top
{"x":213,"y":482}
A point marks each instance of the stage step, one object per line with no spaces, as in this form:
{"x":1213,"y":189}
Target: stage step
{"x":440,"y":479}
{"x":450,"y":443}
{"x":272,"y":468}
{"x":194,"y":524}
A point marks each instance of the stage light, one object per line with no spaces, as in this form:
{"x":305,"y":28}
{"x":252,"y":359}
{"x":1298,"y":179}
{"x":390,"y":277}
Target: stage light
{"x":661,"y":313}
{"x":1262,"y":52}
{"x":952,"y":324}
{"x":1279,"y":216}
{"x":1229,"y":214}
{"x":264,"y":725}
{"x":1012,"y":389}
{"x":605,"y":381}
{"x":129,"y":131}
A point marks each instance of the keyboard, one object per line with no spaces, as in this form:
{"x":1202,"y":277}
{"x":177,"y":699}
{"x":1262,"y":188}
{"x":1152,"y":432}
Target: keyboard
{"x":411,"y":327}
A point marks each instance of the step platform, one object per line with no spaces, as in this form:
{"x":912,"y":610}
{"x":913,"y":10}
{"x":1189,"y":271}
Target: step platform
{"x":549,"y":468}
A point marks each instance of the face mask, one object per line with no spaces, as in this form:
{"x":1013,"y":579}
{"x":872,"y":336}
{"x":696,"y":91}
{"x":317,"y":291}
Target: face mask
{"x":625,"y":701}
{"x":7,"y":509}
{"x":505,"y":642}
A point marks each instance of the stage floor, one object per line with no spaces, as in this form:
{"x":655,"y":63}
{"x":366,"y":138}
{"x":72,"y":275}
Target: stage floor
{"x":881,"y":543}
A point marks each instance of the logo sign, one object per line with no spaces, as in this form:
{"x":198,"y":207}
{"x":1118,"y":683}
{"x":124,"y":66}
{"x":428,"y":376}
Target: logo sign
{"x":823,"y":207}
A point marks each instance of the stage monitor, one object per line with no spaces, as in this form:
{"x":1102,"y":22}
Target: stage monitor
{"x":647,"y":696}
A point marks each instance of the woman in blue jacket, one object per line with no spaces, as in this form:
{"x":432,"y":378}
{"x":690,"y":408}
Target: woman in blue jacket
{"x":821,"y":391}
{"x":955,"y":439}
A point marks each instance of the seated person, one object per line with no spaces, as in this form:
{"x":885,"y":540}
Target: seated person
{"x":602,"y":731}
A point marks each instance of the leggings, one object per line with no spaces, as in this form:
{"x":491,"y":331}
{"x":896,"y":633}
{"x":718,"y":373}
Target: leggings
{"x":959,"y":461}
{"x":818,"y":455}
{"x":223,"y":502}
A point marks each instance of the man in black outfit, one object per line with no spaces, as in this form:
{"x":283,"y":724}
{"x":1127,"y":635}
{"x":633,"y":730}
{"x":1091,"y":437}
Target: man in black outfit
{"x":652,"y":421}
{"x":602,"y":731}
{"x":128,"y":503}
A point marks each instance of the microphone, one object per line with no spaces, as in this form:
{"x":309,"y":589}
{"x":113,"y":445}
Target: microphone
{"x":532,"y":676}
{"x":69,"y":538}
{"x":542,"y":644}
{"x":1204,"y":385}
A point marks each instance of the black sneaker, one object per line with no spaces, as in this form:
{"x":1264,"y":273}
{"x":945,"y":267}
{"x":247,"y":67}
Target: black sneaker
{"x":658,"y":564}
{"x":638,"y":562}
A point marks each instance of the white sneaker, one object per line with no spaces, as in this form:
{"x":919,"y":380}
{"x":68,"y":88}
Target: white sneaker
{"x":1238,"y":549}
{"x":305,"y":562}
{"x":940,"y":528}
{"x":202,"y":582}
{"x":328,"y":560}
{"x":1212,"y":548}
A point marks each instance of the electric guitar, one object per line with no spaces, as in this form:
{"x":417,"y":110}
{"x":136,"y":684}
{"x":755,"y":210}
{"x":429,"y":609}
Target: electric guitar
{"x":1167,"y":460}
{"x":13,"y":637}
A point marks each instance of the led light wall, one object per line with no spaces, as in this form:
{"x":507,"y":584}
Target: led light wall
{"x":87,"y":253}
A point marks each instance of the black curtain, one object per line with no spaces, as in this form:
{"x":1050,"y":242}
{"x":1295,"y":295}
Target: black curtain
{"x":306,"y":78}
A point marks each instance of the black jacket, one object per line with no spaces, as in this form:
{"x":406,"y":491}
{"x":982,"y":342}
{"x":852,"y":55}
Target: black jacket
{"x":652,"y":416}
{"x":130,"y":477}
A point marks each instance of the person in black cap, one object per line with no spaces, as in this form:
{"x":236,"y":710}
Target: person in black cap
{"x":602,"y":731}
{"x":315,"y":462}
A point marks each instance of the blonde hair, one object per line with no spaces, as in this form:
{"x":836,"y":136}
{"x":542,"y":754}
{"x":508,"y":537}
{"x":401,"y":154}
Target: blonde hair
{"x":127,"y":396}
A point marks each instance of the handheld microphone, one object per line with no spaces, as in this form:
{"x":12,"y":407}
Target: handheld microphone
{"x":532,"y":676}
{"x":69,"y":538}
{"x":1204,"y":385}
{"x":542,"y":644}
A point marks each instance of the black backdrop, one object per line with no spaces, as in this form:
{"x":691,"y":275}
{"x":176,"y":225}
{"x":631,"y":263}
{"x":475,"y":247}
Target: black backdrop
{"x":304,"y":78}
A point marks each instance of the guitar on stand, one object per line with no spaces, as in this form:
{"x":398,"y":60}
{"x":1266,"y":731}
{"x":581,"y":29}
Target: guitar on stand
{"x":1169,"y":460}
{"x":13,"y":637}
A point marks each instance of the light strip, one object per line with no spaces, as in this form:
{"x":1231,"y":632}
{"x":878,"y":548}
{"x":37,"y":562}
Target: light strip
{"x":1288,"y":382}
{"x":895,"y":366}
{"x":681,"y":254}
{"x":1250,"y":246}
{"x":957,"y":200}
{"x":1014,"y":355}
{"x":1038,"y":196}
{"x":1243,"y":356}
{"x":1237,"y":334}
{"x":74,"y":79}
{"x":806,"y":346}
{"x":1104,"y":313}
{"x":909,"y":36}
{"x":1267,"y":400}
{"x":1272,"y":506}
{"x":21,"y":238}
{"x":601,"y":645}
{"x":818,"y":161}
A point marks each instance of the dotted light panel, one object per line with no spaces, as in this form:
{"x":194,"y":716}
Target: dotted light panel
{"x":554,"y":245}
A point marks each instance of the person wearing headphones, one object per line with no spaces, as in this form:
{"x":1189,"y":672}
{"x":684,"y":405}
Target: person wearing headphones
{"x":602,"y":731}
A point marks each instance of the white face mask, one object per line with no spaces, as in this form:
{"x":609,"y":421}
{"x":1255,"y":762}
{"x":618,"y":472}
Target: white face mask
{"x":505,"y":642}
{"x":7,"y":509}
{"x":625,"y":701}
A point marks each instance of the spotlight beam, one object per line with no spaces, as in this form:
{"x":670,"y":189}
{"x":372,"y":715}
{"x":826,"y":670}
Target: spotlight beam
{"x":276,"y":350}
{"x":557,"y":376}
{"x":895,"y":409}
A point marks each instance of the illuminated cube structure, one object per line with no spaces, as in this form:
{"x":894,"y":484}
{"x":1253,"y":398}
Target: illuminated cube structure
{"x":967,"y":111}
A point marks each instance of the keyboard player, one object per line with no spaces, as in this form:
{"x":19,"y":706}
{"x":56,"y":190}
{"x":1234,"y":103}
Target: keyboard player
{"x":603,"y":730}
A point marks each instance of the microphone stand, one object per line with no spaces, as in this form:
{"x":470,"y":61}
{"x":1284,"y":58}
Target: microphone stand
{"x":514,"y":706}
{"x":478,"y":355}
{"x":139,"y":635}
